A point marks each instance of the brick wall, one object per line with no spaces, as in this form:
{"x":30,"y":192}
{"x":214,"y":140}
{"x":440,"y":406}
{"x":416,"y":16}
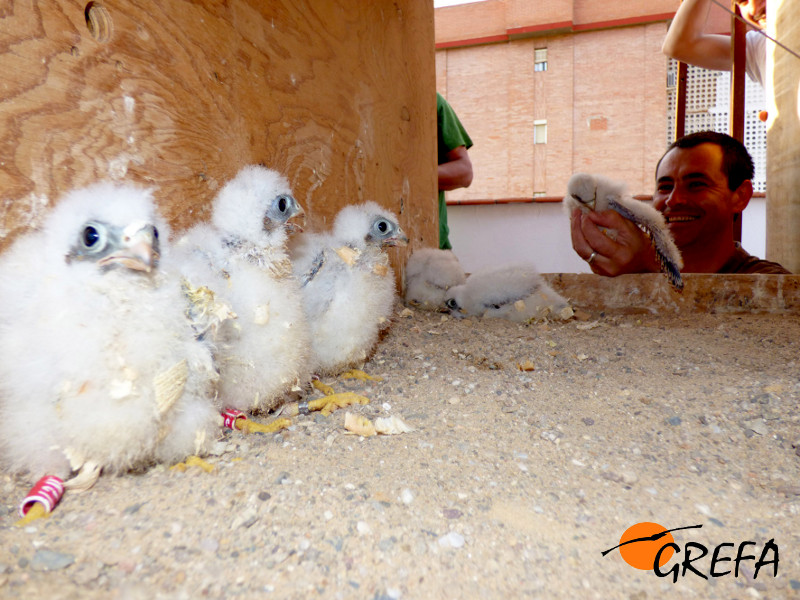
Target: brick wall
{"x":603,"y":94}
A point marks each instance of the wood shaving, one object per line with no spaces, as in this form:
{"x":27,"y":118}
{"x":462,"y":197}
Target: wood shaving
{"x":169,"y":386}
{"x":359,"y":425}
{"x":391,"y":425}
{"x":348,"y":255}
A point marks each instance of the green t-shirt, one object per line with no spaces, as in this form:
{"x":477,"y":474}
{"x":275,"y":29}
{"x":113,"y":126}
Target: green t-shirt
{"x":451,"y":134}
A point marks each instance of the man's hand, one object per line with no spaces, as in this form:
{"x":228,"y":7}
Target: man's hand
{"x":630,"y":252}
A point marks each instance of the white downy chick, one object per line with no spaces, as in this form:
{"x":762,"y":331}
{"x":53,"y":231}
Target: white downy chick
{"x":257,"y":325}
{"x":596,"y":192}
{"x":516,"y":293}
{"x":430,"y":272}
{"x":99,"y":369}
{"x":348,"y":285}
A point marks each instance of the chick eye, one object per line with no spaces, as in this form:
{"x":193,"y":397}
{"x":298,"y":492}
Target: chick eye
{"x":451,"y":303}
{"x":90,"y":236}
{"x":283,"y":204}
{"x":383,"y":226}
{"x":155,"y":232}
{"x":93,"y":237}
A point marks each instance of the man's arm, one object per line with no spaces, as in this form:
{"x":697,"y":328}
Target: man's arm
{"x":457,"y":171}
{"x":630,"y":252}
{"x":687,"y":42}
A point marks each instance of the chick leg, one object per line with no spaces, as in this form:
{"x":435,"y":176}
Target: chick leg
{"x":236,"y":419}
{"x":325,"y":405}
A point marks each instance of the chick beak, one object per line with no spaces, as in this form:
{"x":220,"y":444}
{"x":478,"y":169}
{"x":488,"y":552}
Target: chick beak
{"x":300,"y":225}
{"x":398,"y":239}
{"x":589,"y":203}
{"x":138,"y":250}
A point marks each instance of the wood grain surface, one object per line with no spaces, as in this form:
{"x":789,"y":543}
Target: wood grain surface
{"x":783,"y":133}
{"x":179,"y":95}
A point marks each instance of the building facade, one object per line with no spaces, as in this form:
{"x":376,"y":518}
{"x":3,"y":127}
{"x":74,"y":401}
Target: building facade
{"x":547,"y":89}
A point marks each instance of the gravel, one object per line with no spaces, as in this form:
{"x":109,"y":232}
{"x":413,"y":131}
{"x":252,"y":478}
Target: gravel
{"x":534,"y":448}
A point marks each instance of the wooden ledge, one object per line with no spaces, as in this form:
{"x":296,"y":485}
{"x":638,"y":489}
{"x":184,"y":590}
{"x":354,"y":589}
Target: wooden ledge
{"x":650,"y":292}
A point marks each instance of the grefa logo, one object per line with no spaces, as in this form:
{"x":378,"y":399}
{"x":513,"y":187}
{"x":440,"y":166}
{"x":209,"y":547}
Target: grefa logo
{"x":650,"y":546}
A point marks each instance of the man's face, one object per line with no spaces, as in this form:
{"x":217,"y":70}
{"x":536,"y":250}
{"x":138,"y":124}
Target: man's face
{"x":754,"y":11}
{"x":692,"y":193}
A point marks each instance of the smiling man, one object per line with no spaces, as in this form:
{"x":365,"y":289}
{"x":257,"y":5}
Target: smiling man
{"x":703,"y":181}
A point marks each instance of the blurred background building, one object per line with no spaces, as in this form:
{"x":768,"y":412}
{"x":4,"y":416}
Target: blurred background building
{"x":546,"y":89}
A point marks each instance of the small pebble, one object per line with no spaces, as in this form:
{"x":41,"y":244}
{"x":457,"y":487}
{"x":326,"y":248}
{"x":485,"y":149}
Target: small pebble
{"x":452,"y":540}
{"x":363,"y":528}
{"x":48,"y":560}
{"x":757,"y":426}
{"x":674,"y":421}
{"x":406,"y":496}
{"x":245,"y":519}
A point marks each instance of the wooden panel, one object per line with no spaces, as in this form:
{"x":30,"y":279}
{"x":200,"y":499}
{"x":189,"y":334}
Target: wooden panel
{"x":179,"y":95}
{"x":783,"y":136}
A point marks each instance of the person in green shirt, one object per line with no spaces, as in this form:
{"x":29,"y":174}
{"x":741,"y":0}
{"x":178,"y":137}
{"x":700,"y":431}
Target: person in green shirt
{"x":455,"y":167}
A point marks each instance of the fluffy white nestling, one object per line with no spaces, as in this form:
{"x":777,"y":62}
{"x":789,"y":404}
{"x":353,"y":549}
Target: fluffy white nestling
{"x":262,"y":350}
{"x":516,"y":293}
{"x":430,"y":272}
{"x":98,"y":367}
{"x":348,"y":285}
{"x":596,"y":192}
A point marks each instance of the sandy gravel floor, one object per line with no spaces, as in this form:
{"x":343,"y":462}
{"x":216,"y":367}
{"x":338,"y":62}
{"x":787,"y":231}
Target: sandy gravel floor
{"x":512,"y":485}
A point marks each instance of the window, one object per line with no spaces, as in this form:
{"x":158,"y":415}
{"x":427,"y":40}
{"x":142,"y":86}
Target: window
{"x":540,"y":131}
{"x":540,"y":59}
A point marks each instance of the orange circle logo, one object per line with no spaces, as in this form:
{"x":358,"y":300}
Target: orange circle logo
{"x":641,"y":542}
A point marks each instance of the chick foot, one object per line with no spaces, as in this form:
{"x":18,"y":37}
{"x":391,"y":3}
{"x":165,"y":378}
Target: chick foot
{"x":322,"y":387}
{"x":192,"y":461}
{"x":359,"y":374}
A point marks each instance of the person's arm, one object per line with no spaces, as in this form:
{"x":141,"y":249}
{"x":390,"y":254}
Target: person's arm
{"x":687,"y":42}
{"x":457,"y":171}
{"x":630,"y":252}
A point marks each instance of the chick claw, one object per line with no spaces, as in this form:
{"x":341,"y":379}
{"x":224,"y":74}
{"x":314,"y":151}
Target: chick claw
{"x":192,"y":461}
{"x":36,"y":511}
{"x":322,"y":387}
{"x":328,"y":404}
{"x":248,"y":426}
{"x":360,"y":375}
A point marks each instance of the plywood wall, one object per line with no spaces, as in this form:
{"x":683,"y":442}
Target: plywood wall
{"x":783,"y":136}
{"x":179,"y":95}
